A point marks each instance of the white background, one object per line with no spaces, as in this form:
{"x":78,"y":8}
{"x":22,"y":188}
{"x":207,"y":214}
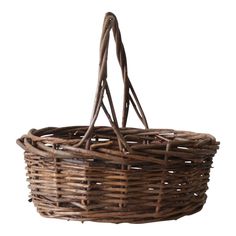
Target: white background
{"x":181,"y":56}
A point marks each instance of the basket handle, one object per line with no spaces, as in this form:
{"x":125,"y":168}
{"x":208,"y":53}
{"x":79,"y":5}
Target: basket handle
{"x":110,"y":22}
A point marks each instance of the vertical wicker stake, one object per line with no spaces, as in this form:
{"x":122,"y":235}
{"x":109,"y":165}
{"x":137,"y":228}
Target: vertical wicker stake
{"x":117,"y":174}
{"x":163,"y":177}
{"x":56,"y":176}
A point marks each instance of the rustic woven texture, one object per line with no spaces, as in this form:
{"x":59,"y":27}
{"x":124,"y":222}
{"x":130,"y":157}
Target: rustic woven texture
{"x":113,"y":174}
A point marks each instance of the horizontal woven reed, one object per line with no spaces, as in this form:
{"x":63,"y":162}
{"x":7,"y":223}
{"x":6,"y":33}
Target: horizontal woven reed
{"x":113,"y":174}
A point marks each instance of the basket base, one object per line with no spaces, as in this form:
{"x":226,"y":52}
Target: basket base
{"x":119,"y":218}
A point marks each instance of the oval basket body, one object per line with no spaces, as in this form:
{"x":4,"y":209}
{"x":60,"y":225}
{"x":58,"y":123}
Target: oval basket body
{"x":164,"y":178}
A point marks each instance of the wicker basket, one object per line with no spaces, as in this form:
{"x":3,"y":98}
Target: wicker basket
{"x":113,"y":174}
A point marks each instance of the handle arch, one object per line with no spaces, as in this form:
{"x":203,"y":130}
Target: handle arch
{"x":111,"y":23}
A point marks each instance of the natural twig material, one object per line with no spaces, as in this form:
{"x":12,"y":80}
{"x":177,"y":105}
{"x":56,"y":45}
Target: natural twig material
{"x":113,"y":174}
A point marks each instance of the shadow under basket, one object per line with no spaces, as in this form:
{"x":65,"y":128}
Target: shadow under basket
{"x":113,"y":174}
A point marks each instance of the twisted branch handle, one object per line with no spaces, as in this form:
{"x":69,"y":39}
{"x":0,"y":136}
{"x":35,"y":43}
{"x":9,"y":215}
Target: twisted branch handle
{"x":110,"y":22}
